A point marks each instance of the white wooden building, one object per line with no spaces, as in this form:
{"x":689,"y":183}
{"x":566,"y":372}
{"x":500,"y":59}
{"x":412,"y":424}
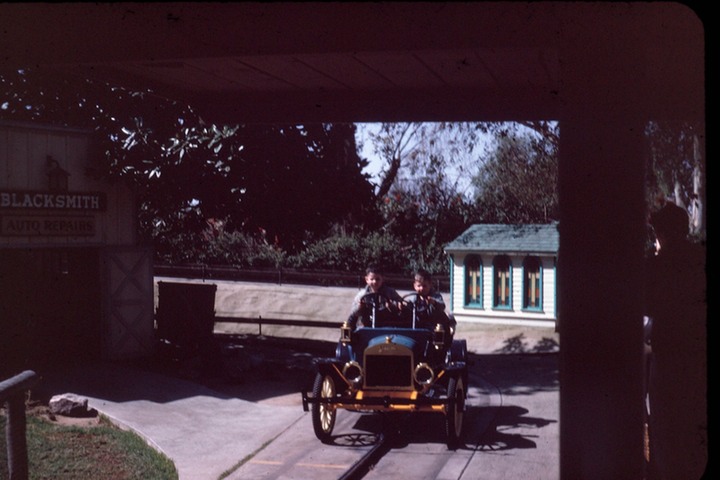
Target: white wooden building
{"x":505,"y":274}
{"x":74,"y":281}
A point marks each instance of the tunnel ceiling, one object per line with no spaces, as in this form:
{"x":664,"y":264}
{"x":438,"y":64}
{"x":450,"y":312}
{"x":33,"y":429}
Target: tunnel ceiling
{"x":303,"y":62}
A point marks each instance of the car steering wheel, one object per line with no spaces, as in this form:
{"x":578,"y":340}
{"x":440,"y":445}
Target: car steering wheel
{"x":419,"y":303}
{"x":375,"y":300}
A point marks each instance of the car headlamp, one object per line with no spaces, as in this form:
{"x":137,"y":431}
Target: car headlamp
{"x":352,"y":372}
{"x":424,"y":374}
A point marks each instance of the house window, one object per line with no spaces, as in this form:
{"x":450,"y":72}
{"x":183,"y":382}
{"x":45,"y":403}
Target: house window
{"x":473,"y":281}
{"x":501,"y":282}
{"x":532,"y":284}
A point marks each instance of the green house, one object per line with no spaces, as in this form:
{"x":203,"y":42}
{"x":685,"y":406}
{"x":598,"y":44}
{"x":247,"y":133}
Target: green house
{"x":505,"y":274}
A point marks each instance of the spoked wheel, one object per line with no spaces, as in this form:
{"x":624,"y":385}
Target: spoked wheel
{"x":455,"y":412}
{"x":323,"y":414}
{"x":458,"y":353}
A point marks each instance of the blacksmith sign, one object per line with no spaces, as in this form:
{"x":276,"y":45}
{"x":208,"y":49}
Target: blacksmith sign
{"x":26,"y":213}
{"x":38,"y":200}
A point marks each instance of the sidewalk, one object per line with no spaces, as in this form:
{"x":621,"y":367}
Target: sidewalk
{"x":201,"y":430}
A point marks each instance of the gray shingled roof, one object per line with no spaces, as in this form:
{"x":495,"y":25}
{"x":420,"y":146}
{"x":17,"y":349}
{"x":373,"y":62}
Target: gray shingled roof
{"x":530,"y":238}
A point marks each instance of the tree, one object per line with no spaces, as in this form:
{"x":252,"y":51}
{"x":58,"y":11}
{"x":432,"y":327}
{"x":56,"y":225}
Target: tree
{"x":300,"y":180}
{"x":422,"y":190}
{"x":283,"y":181}
{"x":517,"y":181}
{"x":410,"y":150}
{"x":676,"y":169}
{"x":161,"y":148}
{"x":440,"y":177}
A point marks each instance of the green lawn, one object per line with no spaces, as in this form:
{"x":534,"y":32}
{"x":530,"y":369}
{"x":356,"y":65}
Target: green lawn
{"x":99,"y":451}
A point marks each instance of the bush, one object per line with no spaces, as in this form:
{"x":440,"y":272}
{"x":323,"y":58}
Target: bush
{"x":339,"y":251}
{"x":352,"y":252}
{"x":225,"y":248}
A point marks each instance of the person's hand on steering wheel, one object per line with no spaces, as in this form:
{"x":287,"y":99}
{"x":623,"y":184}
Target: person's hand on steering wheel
{"x":373,"y":299}
{"x":380,"y":302}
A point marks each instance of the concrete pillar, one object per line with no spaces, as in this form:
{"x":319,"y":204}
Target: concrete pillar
{"x":602,"y":223}
{"x":600,"y":310}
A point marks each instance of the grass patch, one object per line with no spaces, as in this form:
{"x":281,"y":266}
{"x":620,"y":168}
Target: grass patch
{"x":86,"y":452}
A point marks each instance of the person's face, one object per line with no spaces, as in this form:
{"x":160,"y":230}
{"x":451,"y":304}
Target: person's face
{"x":374,"y":281}
{"x":422,"y":286}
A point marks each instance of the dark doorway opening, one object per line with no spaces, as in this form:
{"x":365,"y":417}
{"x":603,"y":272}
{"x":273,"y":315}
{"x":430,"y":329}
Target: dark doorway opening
{"x":50,"y":307}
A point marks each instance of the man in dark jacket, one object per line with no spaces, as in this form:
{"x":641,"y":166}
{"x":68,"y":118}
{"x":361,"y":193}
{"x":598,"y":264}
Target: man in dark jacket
{"x":676,"y":303}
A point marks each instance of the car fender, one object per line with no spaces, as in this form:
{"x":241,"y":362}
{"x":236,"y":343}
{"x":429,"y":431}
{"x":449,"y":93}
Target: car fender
{"x":344,"y":352}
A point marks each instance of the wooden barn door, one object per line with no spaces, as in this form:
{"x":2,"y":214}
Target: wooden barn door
{"x":128,"y":330}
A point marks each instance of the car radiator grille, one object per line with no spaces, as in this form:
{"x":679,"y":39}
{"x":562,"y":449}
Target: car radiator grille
{"x":388,"y":371}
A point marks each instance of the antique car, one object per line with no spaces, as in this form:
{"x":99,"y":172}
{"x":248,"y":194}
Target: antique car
{"x":406,"y":361}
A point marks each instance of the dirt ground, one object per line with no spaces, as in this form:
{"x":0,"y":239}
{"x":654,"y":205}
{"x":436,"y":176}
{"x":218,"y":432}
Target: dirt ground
{"x":40,"y":409}
{"x":332,"y":305}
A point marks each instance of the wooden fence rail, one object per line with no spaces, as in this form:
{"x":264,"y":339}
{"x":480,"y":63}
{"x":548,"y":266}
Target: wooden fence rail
{"x":260,"y":321}
{"x":12,"y":393}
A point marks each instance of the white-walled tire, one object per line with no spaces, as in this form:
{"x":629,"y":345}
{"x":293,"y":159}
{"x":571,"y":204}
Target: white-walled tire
{"x":455,"y":413}
{"x":323,"y":414}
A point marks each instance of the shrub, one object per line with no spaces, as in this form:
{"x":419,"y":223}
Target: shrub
{"x":351,"y":252}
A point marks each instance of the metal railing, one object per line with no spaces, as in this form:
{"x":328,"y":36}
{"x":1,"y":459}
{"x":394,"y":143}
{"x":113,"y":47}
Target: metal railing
{"x":12,"y":394}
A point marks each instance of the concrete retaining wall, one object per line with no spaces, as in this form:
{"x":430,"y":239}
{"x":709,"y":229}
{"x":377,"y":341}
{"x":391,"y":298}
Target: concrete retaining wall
{"x":332,"y":305}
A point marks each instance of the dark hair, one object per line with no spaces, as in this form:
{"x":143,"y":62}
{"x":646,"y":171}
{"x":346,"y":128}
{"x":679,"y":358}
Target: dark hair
{"x":373,"y":268}
{"x":423,"y":274}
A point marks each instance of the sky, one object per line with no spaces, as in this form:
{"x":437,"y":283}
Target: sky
{"x":367,"y":151}
{"x":376,"y":163}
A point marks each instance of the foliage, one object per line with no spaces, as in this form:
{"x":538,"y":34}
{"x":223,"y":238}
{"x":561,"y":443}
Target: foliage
{"x":517,"y":181}
{"x":272,"y":178}
{"x":451,"y":152}
{"x":437,"y":180}
{"x":351,"y":252}
{"x":261,"y":195}
{"x":132,"y":128}
{"x":676,"y":169}
{"x":424,"y":217}
{"x":216,"y":246}
{"x":422,"y":190}
{"x":286,"y":195}
{"x":76,"y":452}
{"x":301,"y":179}
{"x":159,"y":147}
{"x":671,"y":159}
{"x":409,"y":150}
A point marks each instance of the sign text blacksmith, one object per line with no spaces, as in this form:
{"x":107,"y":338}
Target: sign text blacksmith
{"x":36,"y":200}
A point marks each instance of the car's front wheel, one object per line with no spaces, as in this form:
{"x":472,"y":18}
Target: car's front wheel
{"x":323,"y":414}
{"x":455,"y":411}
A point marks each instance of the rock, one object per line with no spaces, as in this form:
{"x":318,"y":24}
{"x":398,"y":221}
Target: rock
{"x":70,"y":405}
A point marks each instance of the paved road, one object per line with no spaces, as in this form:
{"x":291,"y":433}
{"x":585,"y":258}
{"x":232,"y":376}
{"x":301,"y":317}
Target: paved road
{"x":512,"y":427}
{"x":243,"y":410}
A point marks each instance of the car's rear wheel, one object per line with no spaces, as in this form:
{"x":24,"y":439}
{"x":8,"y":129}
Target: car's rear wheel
{"x":323,"y":414}
{"x":455,"y":411}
